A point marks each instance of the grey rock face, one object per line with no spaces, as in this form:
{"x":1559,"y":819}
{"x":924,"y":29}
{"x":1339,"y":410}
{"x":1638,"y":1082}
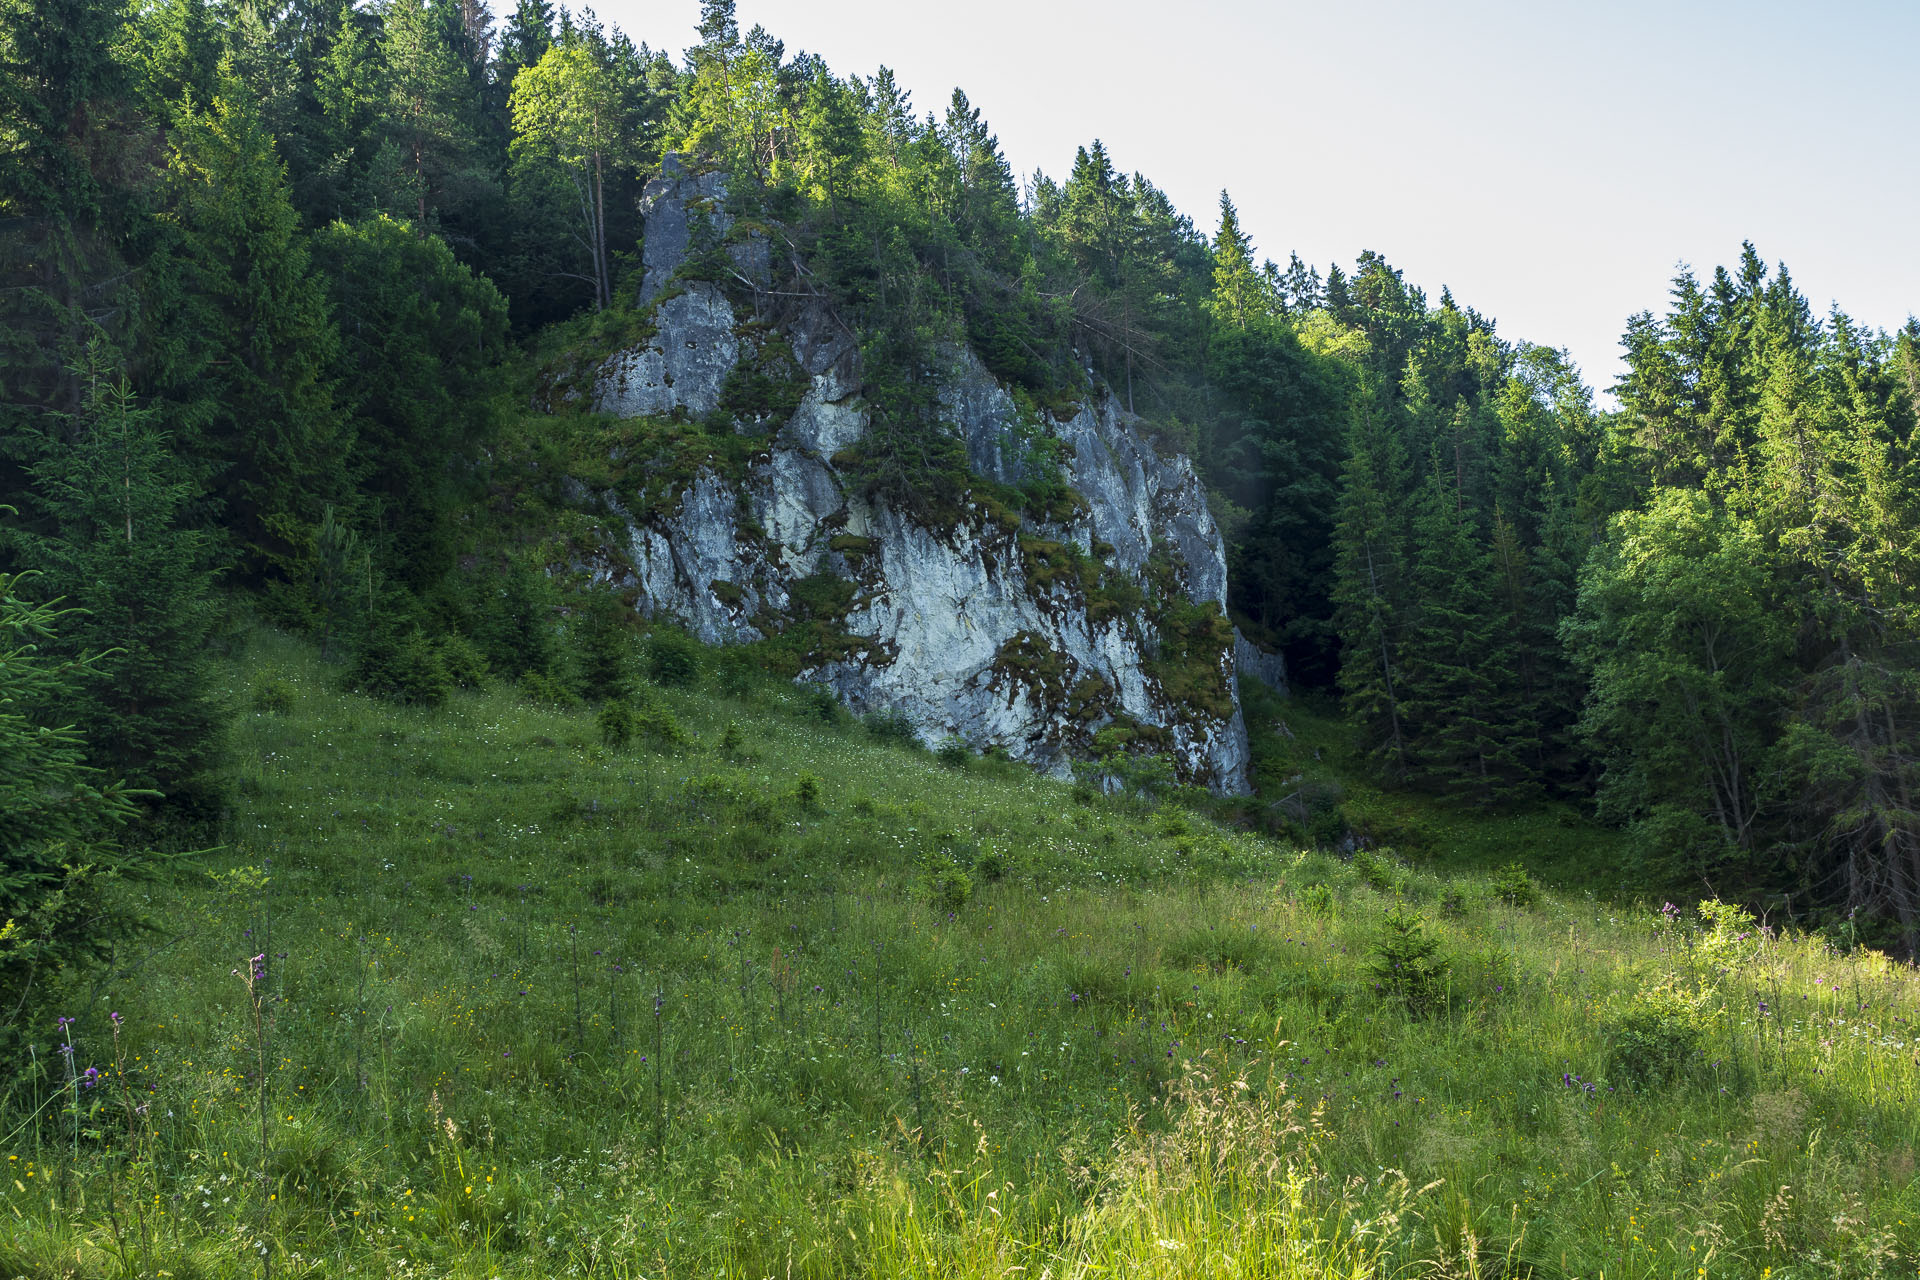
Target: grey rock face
{"x":1270,"y":669}
{"x":945,"y":625}
{"x":684,"y":366}
{"x":674,"y":204}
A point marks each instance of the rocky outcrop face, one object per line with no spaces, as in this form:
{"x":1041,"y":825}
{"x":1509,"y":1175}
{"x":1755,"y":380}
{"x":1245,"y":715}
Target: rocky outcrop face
{"x":1103,"y":619}
{"x":1250,"y":660}
{"x":684,"y":366}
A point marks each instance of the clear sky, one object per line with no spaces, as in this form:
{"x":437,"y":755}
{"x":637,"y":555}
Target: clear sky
{"x":1551,"y":161}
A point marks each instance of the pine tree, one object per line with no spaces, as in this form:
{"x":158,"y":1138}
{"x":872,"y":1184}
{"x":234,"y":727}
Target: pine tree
{"x":59,"y":819}
{"x":243,"y":341}
{"x":112,"y":498}
{"x":74,"y":157}
{"x":1240,"y":298}
{"x":1372,"y":589}
{"x":181,"y":54}
{"x":430,"y":104}
{"x":1458,"y":661}
{"x":421,"y":337}
{"x":528,"y":36}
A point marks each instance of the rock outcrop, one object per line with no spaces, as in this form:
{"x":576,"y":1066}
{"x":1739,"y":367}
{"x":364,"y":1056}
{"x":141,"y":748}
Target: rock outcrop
{"x":1033,"y":635}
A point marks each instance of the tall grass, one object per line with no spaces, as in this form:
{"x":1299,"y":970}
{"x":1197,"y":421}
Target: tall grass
{"x":1138,"y":1045}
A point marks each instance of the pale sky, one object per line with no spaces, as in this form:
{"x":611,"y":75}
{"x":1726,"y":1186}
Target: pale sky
{"x":1549,"y":161}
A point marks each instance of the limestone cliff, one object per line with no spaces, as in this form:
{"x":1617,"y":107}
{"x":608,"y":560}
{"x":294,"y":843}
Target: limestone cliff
{"x":1031,"y":634}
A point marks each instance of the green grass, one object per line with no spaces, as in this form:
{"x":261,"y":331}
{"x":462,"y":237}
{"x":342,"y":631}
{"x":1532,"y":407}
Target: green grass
{"x":1135,"y":1045}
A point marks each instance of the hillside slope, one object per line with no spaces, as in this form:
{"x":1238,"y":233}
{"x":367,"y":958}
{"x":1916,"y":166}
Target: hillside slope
{"x":762,"y":995}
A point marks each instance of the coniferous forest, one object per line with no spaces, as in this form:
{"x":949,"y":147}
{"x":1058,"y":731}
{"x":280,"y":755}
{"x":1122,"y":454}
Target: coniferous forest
{"x":283,"y":291}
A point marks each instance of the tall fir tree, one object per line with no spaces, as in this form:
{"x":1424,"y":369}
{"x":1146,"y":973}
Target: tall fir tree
{"x":1459,"y":660}
{"x":242,"y":340}
{"x":1372,"y":589}
{"x":109,"y":540}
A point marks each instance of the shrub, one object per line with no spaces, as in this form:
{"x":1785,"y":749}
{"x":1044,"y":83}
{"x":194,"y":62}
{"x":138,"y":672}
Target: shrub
{"x":1513,"y":885}
{"x":1454,"y":902}
{"x":950,"y":889}
{"x":402,"y":668}
{"x":991,"y":864}
{"x":891,"y":725}
{"x":1317,"y":901}
{"x":466,"y":665}
{"x":272,"y":695}
{"x":731,"y":740}
{"x":954,"y":752}
{"x":673,"y":658}
{"x":1655,"y":1038}
{"x":616,"y":723}
{"x":1313,"y":810}
{"x":1406,"y":962}
{"x":735,"y":672}
{"x":655,"y":722}
{"x":819,"y":702}
{"x":544,"y":686}
{"x":806,"y":794}
{"x":1374,"y":870}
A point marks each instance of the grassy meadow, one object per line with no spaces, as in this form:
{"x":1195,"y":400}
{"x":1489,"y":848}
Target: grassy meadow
{"x":760,"y":995}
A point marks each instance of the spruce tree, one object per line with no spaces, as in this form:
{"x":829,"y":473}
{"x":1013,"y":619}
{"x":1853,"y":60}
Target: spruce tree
{"x":1458,"y":658}
{"x":108,"y":536}
{"x":1371,"y":589}
{"x":421,"y":337}
{"x":427,"y":162}
{"x":59,"y":818}
{"x":243,"y":342}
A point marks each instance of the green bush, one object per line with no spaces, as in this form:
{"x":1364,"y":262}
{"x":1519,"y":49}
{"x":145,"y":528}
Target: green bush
{"x":806,"y":794}
{"x":1374,"y":869}
{"x":732,"y":741}
{"x":545,"y":687}
{"x":1655,"y":1039}
{"x":616,"y":724}
{"x":891,"y":725}
{"x":991,"y":864}
{"x":655,"y":722}
{"x":272,"y":695}
{"x":954,"y":753}
{"x":466,"y":665}
{"x":735,"y":672}
{"x":402,"y":667}
{"x":819,"y":702}
{"x":1513,"y":885}
{"x":950,"y":889}
{"x":673,"y":658}
{"x":1317,"y":901}
{"x":1406,"y":963}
